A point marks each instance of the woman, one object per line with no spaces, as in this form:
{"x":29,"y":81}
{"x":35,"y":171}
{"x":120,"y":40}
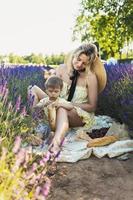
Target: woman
{"x":83,"y":78}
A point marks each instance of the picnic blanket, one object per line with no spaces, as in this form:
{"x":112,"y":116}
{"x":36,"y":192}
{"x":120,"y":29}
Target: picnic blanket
{"x":75,"y":148}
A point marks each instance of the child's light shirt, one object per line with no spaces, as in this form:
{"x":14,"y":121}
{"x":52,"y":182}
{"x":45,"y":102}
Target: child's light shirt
{"x":44,"y":101}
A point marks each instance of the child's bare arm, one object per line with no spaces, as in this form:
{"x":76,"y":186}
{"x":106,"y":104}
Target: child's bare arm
{"x":66,"y":105}
{"x":43,"y":103}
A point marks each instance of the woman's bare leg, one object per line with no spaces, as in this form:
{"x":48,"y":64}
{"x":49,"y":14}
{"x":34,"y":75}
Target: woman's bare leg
{"x":74,"y":119}
{"x":62,"y":126}
{"x":37,"y":93}
{"x":65,"y":119}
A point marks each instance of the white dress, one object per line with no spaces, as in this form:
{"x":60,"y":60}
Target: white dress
{"x":80,"y":96}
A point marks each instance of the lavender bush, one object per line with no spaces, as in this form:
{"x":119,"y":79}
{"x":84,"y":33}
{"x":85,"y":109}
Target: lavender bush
{"x":117,"y":98}
{"x":18,"y":78}
{"x":13,"y":119}
{"x":31,"y":171}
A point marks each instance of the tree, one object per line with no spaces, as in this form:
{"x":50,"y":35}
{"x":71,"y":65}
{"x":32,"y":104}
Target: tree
{"x":107,"y":22}
{"x":55,"y":59}
{"x":16,"y":59}
{"x":36,"y":59}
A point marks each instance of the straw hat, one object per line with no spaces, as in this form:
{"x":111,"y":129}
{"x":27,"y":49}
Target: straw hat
{"x":99,"y":70}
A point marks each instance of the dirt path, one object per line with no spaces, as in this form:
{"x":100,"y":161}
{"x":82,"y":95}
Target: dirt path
{"x":93,"y":179}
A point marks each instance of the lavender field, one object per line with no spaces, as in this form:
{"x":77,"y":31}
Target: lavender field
{"x":32,"y":172}
{"x":18,"y":78}
{"x":116,"y":100}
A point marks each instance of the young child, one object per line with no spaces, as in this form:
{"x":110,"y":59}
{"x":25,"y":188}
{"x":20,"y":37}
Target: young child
{"x":53,"y":88}
{"x":47,"y":107}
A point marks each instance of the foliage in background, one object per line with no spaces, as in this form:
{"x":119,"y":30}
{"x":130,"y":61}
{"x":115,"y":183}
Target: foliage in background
{"x":33,"y":58}
{"x":117,"y":98}
{"x":110,"y":23}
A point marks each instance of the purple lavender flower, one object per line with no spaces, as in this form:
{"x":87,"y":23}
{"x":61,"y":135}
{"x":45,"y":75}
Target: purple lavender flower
{"x":18,"y":103}
{"x":46,"y":156}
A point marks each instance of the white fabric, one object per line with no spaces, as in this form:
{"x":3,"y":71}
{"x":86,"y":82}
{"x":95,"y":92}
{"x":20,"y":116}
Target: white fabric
{"x":74,"y":150}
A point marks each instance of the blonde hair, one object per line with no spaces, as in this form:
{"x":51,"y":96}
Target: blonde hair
{"x":95,"y":64}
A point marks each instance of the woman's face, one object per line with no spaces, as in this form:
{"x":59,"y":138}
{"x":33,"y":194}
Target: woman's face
{"x":80,"y":62}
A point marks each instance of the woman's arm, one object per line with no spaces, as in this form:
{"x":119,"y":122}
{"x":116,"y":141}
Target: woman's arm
{"x":92,"y":85}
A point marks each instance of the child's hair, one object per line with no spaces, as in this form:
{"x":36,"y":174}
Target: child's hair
{"x":54,"y":82}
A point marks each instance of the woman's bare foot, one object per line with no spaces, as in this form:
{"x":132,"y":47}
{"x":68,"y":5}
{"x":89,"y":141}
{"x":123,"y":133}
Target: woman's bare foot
{"x":54,"y":147}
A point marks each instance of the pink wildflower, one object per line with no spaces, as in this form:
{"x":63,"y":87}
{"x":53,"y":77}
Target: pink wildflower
{"x":17,"y":144}
{"x":42,"y":163}
{"x":46,"y":188}
{"x":24,"y":113}
{"x":33,"y":179}
{"x":31,"y":171}
{"x":34,"y":166}
{"x":20,"y":158}
{"x":47,"y":156}
{"x":37,"y":191}
{"x":18,"y":102}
